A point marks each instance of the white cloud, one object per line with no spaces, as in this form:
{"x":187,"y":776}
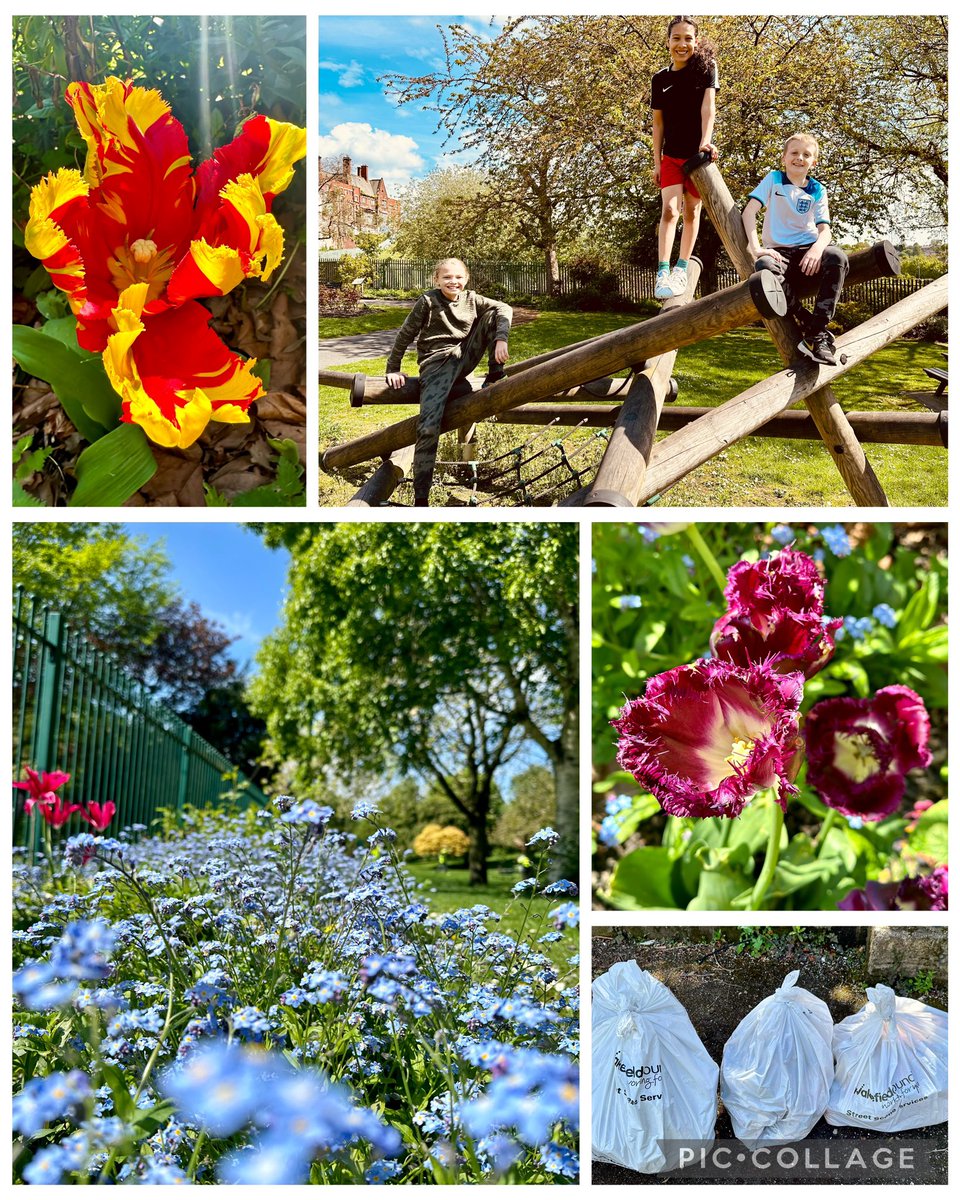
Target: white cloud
{"x":349,"y":75}
{"x":391,"y":155}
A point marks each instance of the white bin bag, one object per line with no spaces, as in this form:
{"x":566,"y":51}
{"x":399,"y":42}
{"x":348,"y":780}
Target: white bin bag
{"x":778,"y":1067}
{"x":891,"y":1065}
{"x":652,"y":1076}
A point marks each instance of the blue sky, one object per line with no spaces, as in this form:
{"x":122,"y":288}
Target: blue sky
{"x":356,"y":118}
{"x":229,"y":572}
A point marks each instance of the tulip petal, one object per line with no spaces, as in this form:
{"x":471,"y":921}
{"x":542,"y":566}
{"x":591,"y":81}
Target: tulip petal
{"x":263,"y":148}
{"x":242,"y":239}
{"x":860,"y":750}
{"x":53,"y":204}
{"x":175,"y":375}
{"x":705,"y":738}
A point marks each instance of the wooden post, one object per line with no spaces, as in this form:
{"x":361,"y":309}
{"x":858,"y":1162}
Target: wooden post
{"x":620,"y":475}
{"x":838,"y":436}
{"x":384,"y":481}
{"x":675,"y":456}
{"x":604,"y":355}
{"x":884,"y":428}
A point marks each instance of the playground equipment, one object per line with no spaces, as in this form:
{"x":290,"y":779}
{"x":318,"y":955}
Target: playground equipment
{"x":567,"y":387}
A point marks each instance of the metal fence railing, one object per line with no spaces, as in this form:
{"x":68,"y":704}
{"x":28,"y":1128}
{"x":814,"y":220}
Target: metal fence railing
{"x":75,"y":710}
{"x":530,"y":279}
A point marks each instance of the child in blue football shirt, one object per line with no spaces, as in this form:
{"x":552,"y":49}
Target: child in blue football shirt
{"x":797,"y":241}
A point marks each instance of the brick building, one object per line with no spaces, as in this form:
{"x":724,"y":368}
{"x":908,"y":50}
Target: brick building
{"x":352,"y":203}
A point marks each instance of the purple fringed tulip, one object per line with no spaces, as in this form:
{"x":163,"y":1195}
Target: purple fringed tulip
{"x":705,"y":738}
{"x":780,"y":639}
{"x":788,"y":580}
{"x":859,"y":751}
{"x":923,"y":893}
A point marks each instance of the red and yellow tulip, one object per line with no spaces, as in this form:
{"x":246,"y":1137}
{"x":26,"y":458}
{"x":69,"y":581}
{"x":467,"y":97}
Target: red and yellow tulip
{"x":137,"y":238}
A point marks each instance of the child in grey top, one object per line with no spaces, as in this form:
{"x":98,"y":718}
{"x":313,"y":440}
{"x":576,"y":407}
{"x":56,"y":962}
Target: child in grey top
{"x":453,"y":329}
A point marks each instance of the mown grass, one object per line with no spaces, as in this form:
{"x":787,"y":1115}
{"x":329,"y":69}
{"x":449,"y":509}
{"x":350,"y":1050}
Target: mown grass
{"x":450,"y":889}
{"x":754,"y":471}
{"x":370,"y":321}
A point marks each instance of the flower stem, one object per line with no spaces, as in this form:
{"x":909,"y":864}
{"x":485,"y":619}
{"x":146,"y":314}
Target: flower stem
{"x":701,"y":547}
{"x":828,"y":823}
{"x":770,"y":861}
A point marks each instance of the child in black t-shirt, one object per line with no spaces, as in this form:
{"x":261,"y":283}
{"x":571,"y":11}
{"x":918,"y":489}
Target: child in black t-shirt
{"x":683,"y":100}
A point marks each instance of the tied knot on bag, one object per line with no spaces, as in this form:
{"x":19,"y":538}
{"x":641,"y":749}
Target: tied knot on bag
{"x":789,"y":982}
{"x":627,"y":1023}
{"x":884,"y":1000}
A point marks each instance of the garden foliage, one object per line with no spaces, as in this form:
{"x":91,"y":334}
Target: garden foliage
{"x":862,"y":645}
{"x":257,"y":998}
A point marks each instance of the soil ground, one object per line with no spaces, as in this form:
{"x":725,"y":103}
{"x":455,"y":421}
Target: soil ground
{"x":718,"y":986}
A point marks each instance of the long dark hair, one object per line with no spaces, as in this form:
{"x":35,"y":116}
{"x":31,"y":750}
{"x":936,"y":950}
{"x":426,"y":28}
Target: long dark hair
{"x":704,"y":58}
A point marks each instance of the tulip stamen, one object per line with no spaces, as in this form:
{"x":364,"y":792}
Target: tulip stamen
{"x":855,"y":756}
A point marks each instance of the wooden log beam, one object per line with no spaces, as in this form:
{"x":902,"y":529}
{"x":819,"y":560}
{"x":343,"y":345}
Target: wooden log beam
{"x":620,"y":475}
{"x":366,"y":389}
{"x":673,"y":457}
{"x":838,"y":436}
{"x":384,"y":481}
{"x":604,"y":355}
{"x":881,"y":428}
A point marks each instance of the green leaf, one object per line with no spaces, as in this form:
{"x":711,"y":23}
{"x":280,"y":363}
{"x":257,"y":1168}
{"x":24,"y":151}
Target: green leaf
{"x":81,"y":384}
{"x":642,"y":879}
{"x":22,"y":499}
{"x":113,"y":468}
{"x":930,"y":835}
{"x":921,"y":609}
{"x":149,"y":1120}
{"x":719,"y":887}
{"x":115,"y":1080}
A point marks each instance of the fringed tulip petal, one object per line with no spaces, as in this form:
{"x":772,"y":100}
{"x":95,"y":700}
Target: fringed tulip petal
{"x":860,"y":750}
{"x":785,"y":641}
{"x":242,"y":240}
{"x":788,"y":579}
{"x":705,"y":738}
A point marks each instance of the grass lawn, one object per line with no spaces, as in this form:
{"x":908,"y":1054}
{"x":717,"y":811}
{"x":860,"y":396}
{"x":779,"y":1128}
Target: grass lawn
{"x":448,"y":890}
{"x":370,"y":321}
{"x":754,"y":471}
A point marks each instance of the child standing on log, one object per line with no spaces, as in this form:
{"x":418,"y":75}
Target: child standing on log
{"x":797,"y":241}
{"x":684,"y":103}
{"x":454,"y":328}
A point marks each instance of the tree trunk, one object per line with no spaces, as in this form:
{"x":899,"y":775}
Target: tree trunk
{"x":479,"y":850}
{"x":553,"y":268}
{"x":566,"y":775}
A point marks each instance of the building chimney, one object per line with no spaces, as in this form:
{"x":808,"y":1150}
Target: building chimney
{"x":362,"y":172}
{"x":347,"y":168}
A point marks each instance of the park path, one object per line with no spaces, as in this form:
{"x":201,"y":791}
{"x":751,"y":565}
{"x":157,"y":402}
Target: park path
{"x":358,"y":346}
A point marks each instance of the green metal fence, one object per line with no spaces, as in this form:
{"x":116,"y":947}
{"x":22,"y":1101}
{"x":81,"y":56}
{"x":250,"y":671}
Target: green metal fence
{"x":75,"y":710}
{"x":530,"y":279}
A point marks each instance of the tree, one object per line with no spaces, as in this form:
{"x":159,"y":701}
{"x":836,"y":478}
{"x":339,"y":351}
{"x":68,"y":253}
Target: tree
{"x":115,"y":588}
{"x":558,"y":108}
{"x":533,"y":806}
{"x":437,"y":841}
{"x":337,"y":215}
{"x":223,"y":718}
{"x":456,"y":212}
{"x":436,"y":650}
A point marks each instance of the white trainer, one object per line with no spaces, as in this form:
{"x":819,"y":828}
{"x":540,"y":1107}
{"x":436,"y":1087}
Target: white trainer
{"x":662,"y":289}
{"x":678,"y":281}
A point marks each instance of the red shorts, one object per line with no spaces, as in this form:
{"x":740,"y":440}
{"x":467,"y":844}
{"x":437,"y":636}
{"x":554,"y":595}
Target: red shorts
{"x":671,"y":173}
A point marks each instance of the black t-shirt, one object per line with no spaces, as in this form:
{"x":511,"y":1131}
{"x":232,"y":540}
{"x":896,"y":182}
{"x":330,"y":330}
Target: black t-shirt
{"x":679,"y":96}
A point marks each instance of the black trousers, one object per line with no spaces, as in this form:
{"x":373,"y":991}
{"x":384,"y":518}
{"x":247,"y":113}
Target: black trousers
{"x":438,"y":375}
{"x":830,"y":279}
